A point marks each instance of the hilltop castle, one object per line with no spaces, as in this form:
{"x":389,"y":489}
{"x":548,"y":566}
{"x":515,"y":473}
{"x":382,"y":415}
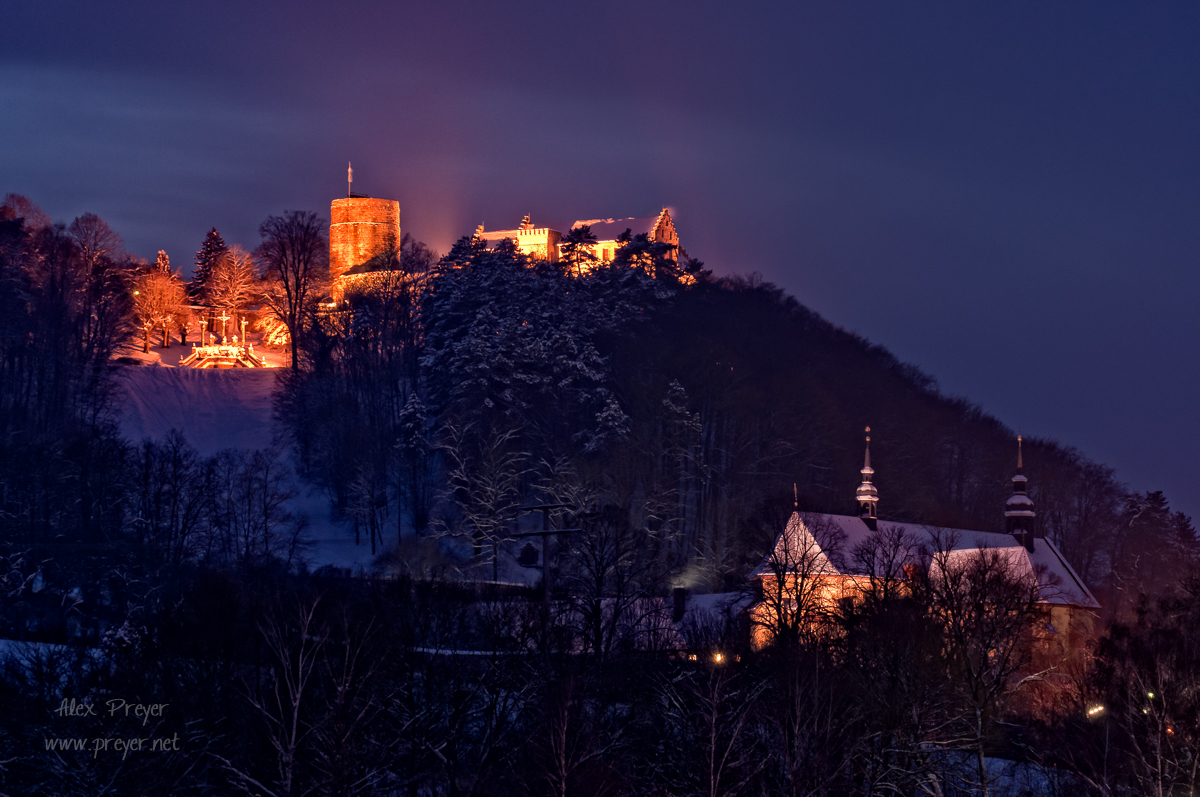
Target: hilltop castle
{"x":364,"y":235}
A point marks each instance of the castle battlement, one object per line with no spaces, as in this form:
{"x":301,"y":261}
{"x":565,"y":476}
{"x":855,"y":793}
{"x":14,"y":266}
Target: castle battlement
{"x":364,"y":232}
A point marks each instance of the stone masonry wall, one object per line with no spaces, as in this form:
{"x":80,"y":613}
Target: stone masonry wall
{"x":361,"y":228}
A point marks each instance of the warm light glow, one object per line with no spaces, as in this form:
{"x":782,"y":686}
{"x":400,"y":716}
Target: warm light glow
{"x":1150,"y":695}
{"x":718,"y":658}
{"x":1094,"y":710}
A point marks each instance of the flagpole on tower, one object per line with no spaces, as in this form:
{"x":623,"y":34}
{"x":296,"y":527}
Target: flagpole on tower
{"x":349,"y":179}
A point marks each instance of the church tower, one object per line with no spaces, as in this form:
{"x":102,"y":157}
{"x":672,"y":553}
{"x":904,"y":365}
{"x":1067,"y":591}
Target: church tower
{"x":1018,"y":510}
{"x":868,"y":496}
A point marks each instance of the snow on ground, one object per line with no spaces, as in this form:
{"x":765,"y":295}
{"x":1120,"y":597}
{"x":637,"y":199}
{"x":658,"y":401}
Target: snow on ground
{"x":273,"y":356}
{"x":217,"y":409}
{"x":214,"y":408}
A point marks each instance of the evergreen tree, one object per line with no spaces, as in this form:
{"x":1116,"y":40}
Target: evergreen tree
{"x":207,"y":258}
{"x":654,"y":257}
{"x":576,"y":247}
{"x":413,"y":453}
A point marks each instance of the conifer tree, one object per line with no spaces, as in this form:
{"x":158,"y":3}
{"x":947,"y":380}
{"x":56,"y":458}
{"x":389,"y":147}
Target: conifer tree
{"x":577,"y":249}
{"x":209,"y":254}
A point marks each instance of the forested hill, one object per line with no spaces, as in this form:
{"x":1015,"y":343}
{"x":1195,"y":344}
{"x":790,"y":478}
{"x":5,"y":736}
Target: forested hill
{"x":683,"y":408}
{"x":671,"y":409}
{"x":666,"y":413}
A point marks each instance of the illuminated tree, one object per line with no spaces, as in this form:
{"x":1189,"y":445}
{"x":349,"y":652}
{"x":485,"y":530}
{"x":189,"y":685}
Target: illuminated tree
{"x":233,"y":282}
{"x":158,"y":299}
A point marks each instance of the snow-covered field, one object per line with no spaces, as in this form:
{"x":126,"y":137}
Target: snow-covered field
{"x":217,"y":409}
{"x":214,"y":408}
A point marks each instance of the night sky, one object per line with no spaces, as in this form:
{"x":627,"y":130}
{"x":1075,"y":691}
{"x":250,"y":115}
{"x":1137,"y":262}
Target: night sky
{"x":1006,"y":196}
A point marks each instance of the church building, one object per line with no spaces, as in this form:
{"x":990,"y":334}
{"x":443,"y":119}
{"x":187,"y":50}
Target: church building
{"x":822,"y":561}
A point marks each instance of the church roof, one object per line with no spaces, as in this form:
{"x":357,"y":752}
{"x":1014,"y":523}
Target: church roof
{"x":610,"y":229}
{"x":837,"y":536}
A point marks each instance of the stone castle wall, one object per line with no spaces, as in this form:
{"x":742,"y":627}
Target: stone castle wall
{"x":361,"y":228}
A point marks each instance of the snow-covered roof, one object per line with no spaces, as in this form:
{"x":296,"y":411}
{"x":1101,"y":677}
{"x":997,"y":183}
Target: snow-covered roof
{"x":610,"y":229}
{"x":827,"y":544}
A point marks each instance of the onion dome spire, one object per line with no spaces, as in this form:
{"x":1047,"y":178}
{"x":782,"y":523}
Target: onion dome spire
{"x":868,"y":496}
{"x":1018,"y":510}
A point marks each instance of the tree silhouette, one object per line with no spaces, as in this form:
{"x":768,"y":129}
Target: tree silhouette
{"x":295,"y":264}
{"x":576,"y":247}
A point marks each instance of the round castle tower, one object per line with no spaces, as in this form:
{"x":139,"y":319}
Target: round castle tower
{"x":361,"y":228}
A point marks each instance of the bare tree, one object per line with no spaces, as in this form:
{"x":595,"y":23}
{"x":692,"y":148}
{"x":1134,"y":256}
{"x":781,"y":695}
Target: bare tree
{"x":713,"y":711}
{"x":578,"y":731}
{"x":18,"y":206}
{"x":1144,"y":719}
{"x":296,"y":646}
{"x":96,"y":239}
{"x":986,"y":601}
{"x":250,"y":517}
{"x":485,"y":473}
{"x":295,"y":265}
{"x":800,"y":587}
{"x":887,"y":556}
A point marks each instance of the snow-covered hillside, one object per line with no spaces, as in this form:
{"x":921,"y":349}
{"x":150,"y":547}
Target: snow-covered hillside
{"x":214,"y":409}
{"x":217,"y":409}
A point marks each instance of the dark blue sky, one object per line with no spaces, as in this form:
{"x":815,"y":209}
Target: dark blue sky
{"x":1006,"y":196}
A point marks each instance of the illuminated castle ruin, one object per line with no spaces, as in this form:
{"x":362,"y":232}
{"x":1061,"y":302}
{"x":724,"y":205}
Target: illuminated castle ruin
{"x":364,"y":239}
{"x":544,"y":243}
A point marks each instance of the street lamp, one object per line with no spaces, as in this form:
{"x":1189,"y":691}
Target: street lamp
{"x":1093,"y":713}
